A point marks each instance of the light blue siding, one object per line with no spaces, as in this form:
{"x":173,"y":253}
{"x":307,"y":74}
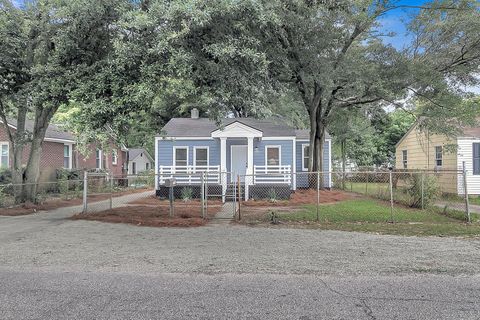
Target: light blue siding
{"x":165,"y":150}
{"x":302,"y":179}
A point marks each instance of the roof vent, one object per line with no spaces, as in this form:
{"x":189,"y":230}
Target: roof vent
{"x":195,"y":114}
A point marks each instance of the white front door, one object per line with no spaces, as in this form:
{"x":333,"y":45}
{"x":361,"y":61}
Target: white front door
{"x":239,"y":161}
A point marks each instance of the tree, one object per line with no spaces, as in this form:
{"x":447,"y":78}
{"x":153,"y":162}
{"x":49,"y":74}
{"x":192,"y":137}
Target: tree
{"x":56,"y":45}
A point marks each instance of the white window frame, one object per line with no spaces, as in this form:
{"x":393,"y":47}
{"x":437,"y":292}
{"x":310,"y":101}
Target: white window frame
{"x":195,"y":155}
{"x":303,"y":156}
{"x":5,"y":143}
{"x":70,"y":154}
{"x":100,"y":159}
{"x":175,"y":154}
{"x":279,"y":147}
{"x":404,"y":162}
{"x":115,"y":157}
{"x":436,"y":159}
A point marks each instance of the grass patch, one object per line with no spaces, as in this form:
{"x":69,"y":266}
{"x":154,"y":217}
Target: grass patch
{"x":369,"y":215}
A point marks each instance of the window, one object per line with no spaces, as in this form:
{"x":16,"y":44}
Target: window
{"x":134,"y":168}
{"x":405,"y":158}
{"x":147,"y":166}
{"x":438,"y":156}
{"x":201,"y":156}
{"x":180,"y":156}
{"x":4,"y":154}
{"x":272,"y":156}
{"x":67,"y":156}
{"x":476,"y":158}
{"x":114,"y":156}
{"x":305,"y":156}
{"x":98,"y":159}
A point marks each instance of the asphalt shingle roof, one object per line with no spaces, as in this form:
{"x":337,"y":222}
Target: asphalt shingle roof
{"x":135,"y":152}
{"x":53,"y":131}
{"x":203,"y":127}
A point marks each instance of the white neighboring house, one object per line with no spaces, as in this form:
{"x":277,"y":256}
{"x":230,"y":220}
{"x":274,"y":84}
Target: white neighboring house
{"x":139,"y":160}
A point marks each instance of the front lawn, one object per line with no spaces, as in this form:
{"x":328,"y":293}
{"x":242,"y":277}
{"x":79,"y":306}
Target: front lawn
{"x":370,"y":215}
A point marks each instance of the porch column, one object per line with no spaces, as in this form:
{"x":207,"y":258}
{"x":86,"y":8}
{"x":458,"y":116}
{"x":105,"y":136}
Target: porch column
{"x":223,"y":166}
{"x":250,"y":171}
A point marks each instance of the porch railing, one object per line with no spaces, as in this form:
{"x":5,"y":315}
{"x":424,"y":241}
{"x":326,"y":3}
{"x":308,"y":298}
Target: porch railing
{"x":272,"y":174}
{"x":189,"y":174}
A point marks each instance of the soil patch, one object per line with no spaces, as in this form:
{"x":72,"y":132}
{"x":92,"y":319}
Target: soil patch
{"x":55,"y":203}
{"x":304,"y":196}
{"x":147,"y":216}
{"x":154,"y":201}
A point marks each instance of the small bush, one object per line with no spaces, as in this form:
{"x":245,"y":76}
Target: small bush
{"x":187,"y":194}
{"x":429,"y":192}
{"x":63,"y":186}
{"x":5,"y":176}
{"x":2,"y":196}
{"x":272,"y":195}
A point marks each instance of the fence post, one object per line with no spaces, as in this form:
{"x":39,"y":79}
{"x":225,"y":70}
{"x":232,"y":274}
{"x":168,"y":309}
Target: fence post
{"x":239,"y":197}
{"x":422,"y":188}
{"x":391,"y":196}
{"x":318,"y":196}
{"x":85,"y":191}
{"x":366,"y":184}
{"x":202,"y":193}
{"x":110,"y":175}
{"x":465,"y":190}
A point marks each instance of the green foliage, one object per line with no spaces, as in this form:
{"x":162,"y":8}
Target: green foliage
{"x":422,"y":189}
{"x":272,"y":195}
{"x":63,"y":185}
{"x":186,"y":194}
{"x":5,"y":176}
{"x":3,"y":196}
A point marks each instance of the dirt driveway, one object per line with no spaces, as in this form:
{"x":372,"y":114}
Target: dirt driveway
{"x":52,"y":242}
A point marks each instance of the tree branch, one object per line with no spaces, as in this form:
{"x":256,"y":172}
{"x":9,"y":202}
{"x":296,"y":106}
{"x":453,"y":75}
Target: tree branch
{"x":5,"y":123}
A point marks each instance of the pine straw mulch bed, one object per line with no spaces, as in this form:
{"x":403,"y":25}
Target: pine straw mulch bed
{"x":303,"y":196}
{"x":55,"y":203}
{"x":187,"y":215}
{"x":154,"y":201}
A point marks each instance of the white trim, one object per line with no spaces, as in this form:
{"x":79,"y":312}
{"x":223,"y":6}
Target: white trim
{"x":294,"y":166}
{"x":65,"y":141}
{"x":223,"y":154}
{"x":7,"y":143}
{"x":279,"y":154}
{"x":195,"y":155}
{"x":157,"y":167}
{"x":237,"y":130}
{"x":174,"y":154}
{"x":303,"y":155}
{"x":278,"y":138}
{"x":184,"y":138}
{"x":70,"y":154}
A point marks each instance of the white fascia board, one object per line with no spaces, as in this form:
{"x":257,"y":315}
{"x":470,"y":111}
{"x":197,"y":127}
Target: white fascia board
{"x":66,"y":141}
{"x":183,"y":138}
{"x":277,"y":138}
{"x":237,"y":130}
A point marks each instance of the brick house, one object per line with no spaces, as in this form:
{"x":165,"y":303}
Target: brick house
{"x":59,"y":151}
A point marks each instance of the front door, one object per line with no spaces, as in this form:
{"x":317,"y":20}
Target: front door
{"x":239,"y":162}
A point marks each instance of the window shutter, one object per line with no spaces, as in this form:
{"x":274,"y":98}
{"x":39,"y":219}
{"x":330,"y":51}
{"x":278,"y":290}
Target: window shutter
{"x":476,"y":158}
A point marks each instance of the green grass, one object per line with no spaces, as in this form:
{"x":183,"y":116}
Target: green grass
{"x":368,"y":215}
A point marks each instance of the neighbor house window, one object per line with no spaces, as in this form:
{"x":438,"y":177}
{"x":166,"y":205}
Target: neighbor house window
{"x":147,"y":166}
{"x":272,"y":156}
{"x":181,"y":157}
{"x":114,"y":156}
{"x":476,"y":158}
{"x":305,"y":156}
{"x":134,"y":168}
{"x":4,"y":154}
{"x":67,"y":156}
{"x":405,"y":159}
{"x":201,"y":156}
{"x":98,"y":159}
{"x":438,"y":156}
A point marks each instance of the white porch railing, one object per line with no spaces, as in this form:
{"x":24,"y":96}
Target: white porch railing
{"x":189,"y":174}
{"x":272,"y":174}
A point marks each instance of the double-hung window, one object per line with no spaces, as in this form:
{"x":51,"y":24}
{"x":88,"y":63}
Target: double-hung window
{"x":4,"y":155}
{"x":67,"y":156}
{"x":305,"y":156}
{"x":272,"y":156}
{"x":98,"y":159}
{"x":438,"y":156}
{"x":405,"y":159}
{"x":114,"y":156}
{"x":476,"y":158}
{"x":180,"y":156}
{"x":201,"y":156}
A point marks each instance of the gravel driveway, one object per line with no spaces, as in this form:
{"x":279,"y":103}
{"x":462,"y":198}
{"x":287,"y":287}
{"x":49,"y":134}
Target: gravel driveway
{"x":48,"y":241}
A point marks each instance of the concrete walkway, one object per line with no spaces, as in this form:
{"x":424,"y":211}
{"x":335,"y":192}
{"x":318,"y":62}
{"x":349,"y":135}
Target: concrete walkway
{"x":227,"y":211}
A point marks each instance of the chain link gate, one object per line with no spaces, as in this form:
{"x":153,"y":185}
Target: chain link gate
{"x":220,"y":198}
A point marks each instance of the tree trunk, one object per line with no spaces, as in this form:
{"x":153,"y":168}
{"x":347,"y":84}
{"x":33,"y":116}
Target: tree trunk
{"x":18,"y":146}
{"x":344,"y":161}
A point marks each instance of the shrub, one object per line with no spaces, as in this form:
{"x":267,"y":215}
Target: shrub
{"x":2,"y":196}
{"x":187,"y":194}
{"x":5,"y":176}
{"x":63,"y":185}
{"x":272,"y":195}
{"x":429,"y":192}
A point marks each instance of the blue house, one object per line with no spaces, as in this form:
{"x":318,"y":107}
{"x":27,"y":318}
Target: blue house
{"x":259,"y":153}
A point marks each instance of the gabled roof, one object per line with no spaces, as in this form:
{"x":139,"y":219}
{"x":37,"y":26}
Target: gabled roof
{"x":304,"y":134}
{"x":53,"y":131}
{"x":135,"y":152}
{"x":203,"y":127}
